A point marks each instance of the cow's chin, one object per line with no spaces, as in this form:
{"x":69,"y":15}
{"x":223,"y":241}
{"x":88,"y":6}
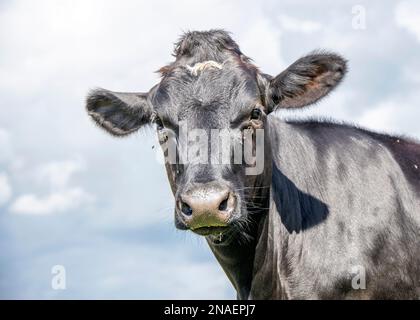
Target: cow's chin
{"x":211,"y":231}
{"x":214,"y":234}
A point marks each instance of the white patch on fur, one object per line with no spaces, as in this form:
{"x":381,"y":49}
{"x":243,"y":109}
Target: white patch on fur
{"x":200,"y":66}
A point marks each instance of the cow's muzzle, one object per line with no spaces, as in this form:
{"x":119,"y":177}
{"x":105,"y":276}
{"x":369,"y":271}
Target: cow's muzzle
{"x":206,"y":209}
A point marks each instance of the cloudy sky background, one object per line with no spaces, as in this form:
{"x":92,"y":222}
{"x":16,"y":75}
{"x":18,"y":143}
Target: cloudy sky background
{"x":71,"y":195}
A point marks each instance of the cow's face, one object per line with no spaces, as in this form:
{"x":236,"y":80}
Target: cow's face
{"x":210,"y":122}
{"x":210,"y":118}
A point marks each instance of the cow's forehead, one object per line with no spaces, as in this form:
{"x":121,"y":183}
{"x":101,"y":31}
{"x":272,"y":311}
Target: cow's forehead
{"x":216,"y":90}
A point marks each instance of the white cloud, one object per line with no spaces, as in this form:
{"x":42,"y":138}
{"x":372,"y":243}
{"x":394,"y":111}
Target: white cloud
{"x":59,"y":173}
{"x":395,"y":115}
{"x":54,"y":202}
{"x":380,"y":118}
{"x":262,"y":43}
{"x":407,"y":16}
{"x":5,"y":189}
{"x":299,"y":25}
{"x":5,"y":146}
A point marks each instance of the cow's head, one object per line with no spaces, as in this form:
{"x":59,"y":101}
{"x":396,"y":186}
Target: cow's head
{"x":213,"y":92}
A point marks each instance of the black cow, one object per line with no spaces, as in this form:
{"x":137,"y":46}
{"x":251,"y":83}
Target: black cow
{"x":335,"y":211}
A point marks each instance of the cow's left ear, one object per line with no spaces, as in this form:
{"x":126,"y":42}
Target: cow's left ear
{"x":306,"y":81}
{"x":119,"y":113}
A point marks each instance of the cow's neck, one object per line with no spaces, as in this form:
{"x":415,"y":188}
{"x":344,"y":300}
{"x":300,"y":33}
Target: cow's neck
{"x":268,"y":258}
{"x":293,"y":210}
{"x":237,"y":261}
{"x":237,"y":255}
{"x":254,"y":268}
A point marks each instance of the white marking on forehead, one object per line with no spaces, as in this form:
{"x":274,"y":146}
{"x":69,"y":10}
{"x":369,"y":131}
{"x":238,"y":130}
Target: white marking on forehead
{"x":200,"y":66}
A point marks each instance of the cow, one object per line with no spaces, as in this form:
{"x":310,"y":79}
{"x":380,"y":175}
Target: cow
{"x":335,"y":211}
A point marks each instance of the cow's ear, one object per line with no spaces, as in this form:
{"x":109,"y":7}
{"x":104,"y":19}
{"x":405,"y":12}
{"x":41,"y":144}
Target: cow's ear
{"x":306,"y":81}
{"x":119,"y":113}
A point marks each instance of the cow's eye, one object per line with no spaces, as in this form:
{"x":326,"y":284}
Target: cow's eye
{"x":159,"y":123}
{"x":255,"y":114}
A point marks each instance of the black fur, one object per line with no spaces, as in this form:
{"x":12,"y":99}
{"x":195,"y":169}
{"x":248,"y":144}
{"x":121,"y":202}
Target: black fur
{"x":331,"y":198}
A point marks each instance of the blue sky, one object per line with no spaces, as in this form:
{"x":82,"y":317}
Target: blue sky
{"x":71,"y":195}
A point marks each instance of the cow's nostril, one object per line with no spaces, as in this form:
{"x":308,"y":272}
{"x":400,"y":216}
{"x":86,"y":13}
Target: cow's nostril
{"x":223,"y":205}
{"x":186,"y":209}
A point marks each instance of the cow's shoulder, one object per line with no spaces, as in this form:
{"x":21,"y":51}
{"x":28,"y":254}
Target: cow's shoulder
{"x":321,"y":135}
{"x":406,"y":151}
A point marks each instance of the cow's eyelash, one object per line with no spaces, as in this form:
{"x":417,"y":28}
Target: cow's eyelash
{"x":256,"y":114}
{"x":158,"y":122}
{"x":154,"y":117}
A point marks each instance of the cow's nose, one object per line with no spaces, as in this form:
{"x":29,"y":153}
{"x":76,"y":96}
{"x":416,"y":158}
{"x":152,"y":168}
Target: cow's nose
{"x":207,"y":206}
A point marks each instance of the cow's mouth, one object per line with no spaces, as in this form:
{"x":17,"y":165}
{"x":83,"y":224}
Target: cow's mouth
{"x":213,"y":231}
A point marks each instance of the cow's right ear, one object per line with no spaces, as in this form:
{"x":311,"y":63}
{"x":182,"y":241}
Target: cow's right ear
{"x":306,"y":81}
{"x":119,"y":113}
